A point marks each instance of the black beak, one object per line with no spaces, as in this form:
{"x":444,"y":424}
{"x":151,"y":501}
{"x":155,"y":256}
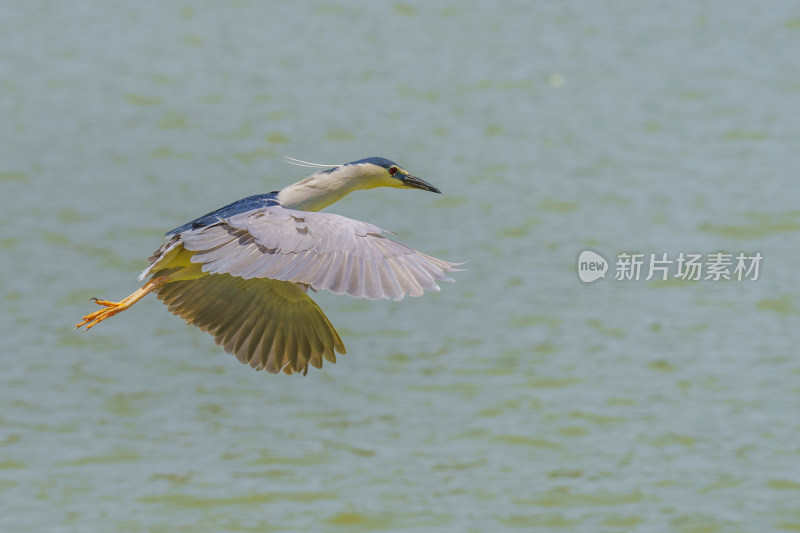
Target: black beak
{"x":416,"y":183}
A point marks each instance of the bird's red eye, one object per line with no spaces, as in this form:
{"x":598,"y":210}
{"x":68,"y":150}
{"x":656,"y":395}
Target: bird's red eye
{"x":392,"y":170}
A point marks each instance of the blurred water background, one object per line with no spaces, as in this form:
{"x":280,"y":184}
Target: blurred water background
{"x":518,"y":398}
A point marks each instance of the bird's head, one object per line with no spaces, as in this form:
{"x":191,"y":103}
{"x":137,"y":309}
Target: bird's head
{"x":381,"y":172}
{"x":327,"y":186}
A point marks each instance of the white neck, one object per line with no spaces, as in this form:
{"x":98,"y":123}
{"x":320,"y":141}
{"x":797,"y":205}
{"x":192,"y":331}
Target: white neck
{"x":320,"y":190}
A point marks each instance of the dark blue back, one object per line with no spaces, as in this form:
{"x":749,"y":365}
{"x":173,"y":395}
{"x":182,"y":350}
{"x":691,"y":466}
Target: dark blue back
{"x":239,"y":206}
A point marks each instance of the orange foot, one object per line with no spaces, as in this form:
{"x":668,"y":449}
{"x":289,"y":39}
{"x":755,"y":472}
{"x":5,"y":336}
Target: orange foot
{"x":109,"y":309}
{"x":112,"y":308}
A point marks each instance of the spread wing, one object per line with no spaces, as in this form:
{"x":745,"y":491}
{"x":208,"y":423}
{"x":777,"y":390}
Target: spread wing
{"x":321,"y":250}
{"x":265,"y":323}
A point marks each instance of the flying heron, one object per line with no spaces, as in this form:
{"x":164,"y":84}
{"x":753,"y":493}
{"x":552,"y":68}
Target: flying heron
{"x":242,"y":273}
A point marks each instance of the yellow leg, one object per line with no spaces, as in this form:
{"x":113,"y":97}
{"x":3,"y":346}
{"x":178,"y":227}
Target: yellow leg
{"x":112,"y":308}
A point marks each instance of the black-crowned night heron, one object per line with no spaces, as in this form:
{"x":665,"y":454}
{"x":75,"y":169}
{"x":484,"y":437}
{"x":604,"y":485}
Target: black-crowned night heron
{"x":242,"y":272}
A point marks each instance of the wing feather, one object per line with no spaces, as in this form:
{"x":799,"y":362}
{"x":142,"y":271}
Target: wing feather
{"x":240,"y":337}
{"x":321,"y":250}
{"x":273,"y":359}
{"x":391,"y":286}
{"x":212,"y":237}
{"x":409,"y":283}
{"x":268,"y":324}
{"x":372,"y":281}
